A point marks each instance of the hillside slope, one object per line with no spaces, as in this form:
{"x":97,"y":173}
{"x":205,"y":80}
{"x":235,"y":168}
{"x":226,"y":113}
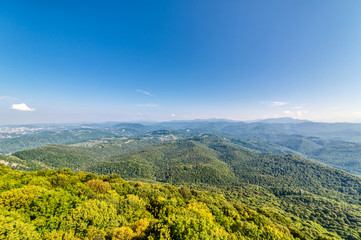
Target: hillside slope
{"x":334,"y":144}
{"x":310,"y":191}
{"x":64,"y":205}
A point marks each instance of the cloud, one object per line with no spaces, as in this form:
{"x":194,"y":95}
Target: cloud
{"x":275,"y":103}
{"x":172,"y":115}
{"x":288,"y":112}
{"x":7,"y":98}
{"x":299,"y":113}
{"x":147,"y":105}
{"x":21,"y":107}
{"x":145,"y":92}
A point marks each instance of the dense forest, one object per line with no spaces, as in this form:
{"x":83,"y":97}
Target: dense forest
{"x":276,"y":186}
{"x":65,"y":205}
{"x":334,"y":144}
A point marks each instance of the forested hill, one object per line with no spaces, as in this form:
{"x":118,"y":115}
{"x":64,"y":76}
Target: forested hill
{"x":205,"y":159}
{"x":334,"y":144}
{"x":303,"y":189}
{"x":65,"y":205}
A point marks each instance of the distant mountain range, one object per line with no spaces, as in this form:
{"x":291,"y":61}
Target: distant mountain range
{"x":281,"y":120}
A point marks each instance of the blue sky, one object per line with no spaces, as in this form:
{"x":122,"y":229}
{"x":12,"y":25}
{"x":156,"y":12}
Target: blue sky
{"x":62,"y":61}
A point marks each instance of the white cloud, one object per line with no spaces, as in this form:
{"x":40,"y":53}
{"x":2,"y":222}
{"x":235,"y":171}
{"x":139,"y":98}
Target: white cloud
{"x":299,"y":113}
{"x":275,"y":103}
{"x":147,"y":105}
{"x":21,"y":107}
{"x":7,"y":98}
{"x":145,"y":92}
{"x":172,"y":115}
{"x":288,"y":112}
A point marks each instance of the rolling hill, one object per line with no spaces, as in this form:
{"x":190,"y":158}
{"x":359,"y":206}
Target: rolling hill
{"x":334,"y":144}
{"x":288,"y":184}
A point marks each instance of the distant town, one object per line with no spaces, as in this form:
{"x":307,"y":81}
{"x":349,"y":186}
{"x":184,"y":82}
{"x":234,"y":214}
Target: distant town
{"x":10,"y":132}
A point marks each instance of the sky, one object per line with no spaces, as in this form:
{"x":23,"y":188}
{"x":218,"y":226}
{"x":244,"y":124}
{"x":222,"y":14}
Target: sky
{"x":94,"y":61}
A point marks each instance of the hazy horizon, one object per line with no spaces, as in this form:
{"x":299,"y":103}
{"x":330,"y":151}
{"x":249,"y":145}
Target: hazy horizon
{"x":173,"y":120}
{"x":179,"y":60}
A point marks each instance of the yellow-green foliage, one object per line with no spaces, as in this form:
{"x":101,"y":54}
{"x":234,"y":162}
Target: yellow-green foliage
{"x":11,"y":228}
{"x":64,"y":205}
